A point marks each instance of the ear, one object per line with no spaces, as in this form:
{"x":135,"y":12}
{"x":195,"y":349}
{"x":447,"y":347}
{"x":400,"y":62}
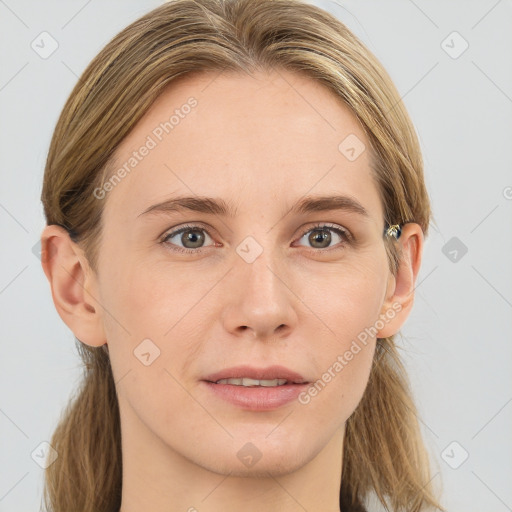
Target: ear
{"x":73,"y":285}
{"x":400,"y":292}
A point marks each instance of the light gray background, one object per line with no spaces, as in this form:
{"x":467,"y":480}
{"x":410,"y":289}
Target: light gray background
{"x":456,"y":344}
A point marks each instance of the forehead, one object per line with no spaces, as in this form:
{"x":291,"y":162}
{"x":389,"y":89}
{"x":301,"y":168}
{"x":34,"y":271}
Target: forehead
{"x":256,"y":139}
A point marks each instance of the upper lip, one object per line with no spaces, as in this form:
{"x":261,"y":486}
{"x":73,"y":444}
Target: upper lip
{"x":268,"y":373}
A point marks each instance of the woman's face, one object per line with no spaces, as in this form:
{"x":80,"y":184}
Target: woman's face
{"x":256,"y":289}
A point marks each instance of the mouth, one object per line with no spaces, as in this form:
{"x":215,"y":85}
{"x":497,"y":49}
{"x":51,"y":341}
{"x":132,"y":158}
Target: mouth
{"x":256,"y":389}
{"x":249,"y":383}
{"x":250,"y":376}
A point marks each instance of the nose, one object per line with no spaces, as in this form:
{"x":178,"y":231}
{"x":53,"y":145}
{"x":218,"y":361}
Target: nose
{"x":260,"y":302}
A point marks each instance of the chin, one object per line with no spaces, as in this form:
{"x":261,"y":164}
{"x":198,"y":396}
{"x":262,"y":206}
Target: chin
{"x":260,"y":456}
{"x":275,"y":465}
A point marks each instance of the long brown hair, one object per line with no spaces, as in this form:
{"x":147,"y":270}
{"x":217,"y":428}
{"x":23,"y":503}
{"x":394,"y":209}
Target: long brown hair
{"x":384,"y":454}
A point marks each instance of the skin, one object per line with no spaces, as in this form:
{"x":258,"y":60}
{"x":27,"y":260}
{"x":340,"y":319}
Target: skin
{"x":262,"y":142}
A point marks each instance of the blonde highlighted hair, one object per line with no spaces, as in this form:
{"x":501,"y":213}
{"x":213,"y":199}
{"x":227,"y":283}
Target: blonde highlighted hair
{"x":384,"y":454}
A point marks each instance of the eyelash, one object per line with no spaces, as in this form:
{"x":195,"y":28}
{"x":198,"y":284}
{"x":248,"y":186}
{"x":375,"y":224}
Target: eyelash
{"x":343,"y":233}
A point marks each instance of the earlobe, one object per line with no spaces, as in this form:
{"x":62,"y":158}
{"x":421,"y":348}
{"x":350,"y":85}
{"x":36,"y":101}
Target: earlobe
{"x":73,"y":285}
{"x":400,"y":297}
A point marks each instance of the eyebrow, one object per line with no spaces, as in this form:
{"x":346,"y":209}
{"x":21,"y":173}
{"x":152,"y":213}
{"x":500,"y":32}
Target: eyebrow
{"x":217,"y":206}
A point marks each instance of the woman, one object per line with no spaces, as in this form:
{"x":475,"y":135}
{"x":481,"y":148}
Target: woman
{"x":236,"y":211}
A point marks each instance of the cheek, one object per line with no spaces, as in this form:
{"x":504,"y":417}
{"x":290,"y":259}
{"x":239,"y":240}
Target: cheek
{"x":348,"y":312}
{"x":153,"y":335}
{"x":347,"y":298}
{"x":150,"y":300}
{"x":344,"y":369}
{"x":157,"y":311}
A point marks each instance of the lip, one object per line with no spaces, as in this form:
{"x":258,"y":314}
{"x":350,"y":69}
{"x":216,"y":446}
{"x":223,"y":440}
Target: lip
{"x":268,"y":373}
{"x":257,"y":398}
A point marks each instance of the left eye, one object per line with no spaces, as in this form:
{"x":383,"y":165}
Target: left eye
{"x":320,"y":235}
{"x":193,"y":237}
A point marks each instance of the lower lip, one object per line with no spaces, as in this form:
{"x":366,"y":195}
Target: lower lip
{"x":257,"y":398}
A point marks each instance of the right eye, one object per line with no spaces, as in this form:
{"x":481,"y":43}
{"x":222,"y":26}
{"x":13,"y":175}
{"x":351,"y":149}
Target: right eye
{"x":189,"y":234}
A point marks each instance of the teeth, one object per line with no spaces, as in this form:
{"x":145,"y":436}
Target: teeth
{"x":252,"y":382}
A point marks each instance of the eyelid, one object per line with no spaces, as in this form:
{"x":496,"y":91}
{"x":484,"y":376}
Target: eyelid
{"x":328,"y":225}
